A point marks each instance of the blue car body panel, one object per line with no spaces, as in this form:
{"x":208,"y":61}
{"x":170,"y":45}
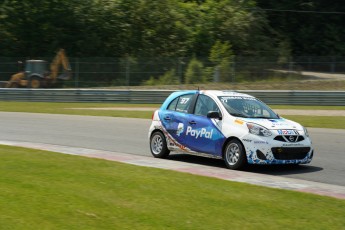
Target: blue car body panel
{"x":199,"y":133}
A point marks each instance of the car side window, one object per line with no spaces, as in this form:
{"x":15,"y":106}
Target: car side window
{"x":184,"y":103}
{"x":172,"y":105}
{"x":205,"y":104}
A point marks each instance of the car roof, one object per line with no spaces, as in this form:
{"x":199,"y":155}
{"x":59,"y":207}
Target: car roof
{"x":175,"y":95}
{"x":225,"y":93}
{"x":215,"y":93}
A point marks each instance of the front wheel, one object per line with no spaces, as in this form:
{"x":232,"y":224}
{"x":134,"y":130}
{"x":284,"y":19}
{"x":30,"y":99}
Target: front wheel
{"x":234,"y":155}
{"x":158,"y":145}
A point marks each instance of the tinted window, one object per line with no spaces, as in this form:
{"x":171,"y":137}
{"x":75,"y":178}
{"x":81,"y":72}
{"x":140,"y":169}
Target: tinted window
{"x":205,"y":104}
{"x":172,"y":105}
{"x":239,"y":106}
{"x":184,"y":103}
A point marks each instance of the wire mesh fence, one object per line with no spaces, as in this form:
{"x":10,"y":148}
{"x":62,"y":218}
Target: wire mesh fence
{"x":133,"y":71}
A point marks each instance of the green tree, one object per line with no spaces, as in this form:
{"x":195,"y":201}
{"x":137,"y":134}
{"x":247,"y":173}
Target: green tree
{"x":222,"y":56}
{"x":169,"y":78}
{"x":37,"y":28}
{"x":235,"y":22}
{"x":312,"y":27}
{"x":195,"y":72}
{"x":156,"y":28}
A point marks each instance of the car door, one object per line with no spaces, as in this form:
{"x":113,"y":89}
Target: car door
{"x":173,"y":119}
{"x":202,"y":134}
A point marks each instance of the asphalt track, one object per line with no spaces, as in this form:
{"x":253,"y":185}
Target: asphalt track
{"x":125,"y":135}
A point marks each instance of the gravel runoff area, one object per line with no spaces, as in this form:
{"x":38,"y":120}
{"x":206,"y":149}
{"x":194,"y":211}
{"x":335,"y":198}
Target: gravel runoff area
{"x":279,"y":111}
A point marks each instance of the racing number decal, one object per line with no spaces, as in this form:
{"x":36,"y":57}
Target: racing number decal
{"x":184,"y":100}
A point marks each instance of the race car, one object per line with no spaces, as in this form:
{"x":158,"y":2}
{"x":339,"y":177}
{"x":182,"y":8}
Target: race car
{"x":235,"y":127}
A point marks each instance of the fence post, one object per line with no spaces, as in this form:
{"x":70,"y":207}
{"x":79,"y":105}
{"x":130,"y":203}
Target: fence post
{"x":216,"y":74}
{"x":179,"y":70}
{"x":233,"y":70}
{"x":333,"y":65}
{"x":127,"y":71}
{"x":76,"y":78}
{"x":291,"y":65}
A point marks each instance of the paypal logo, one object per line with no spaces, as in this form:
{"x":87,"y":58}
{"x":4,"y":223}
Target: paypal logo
{"x":199,"y":133}
{"x":180,"y":129}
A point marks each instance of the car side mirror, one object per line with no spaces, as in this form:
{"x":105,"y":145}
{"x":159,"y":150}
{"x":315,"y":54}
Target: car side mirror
{"x":214,"y":114}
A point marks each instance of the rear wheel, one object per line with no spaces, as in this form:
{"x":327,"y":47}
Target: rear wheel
{"x":234,"y":155}
{"x":158,"y":145}
{"x":35,"y":82}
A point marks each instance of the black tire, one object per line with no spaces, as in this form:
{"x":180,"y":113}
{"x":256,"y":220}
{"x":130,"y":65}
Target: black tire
{"x":35,"y":82}
{"x":158,"y":145}
{"x":234,"y":155}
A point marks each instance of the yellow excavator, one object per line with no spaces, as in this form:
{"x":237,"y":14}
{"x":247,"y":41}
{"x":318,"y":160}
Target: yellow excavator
{"x":37,"y":75}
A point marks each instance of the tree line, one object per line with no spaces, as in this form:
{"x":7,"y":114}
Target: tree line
{"x":216,"y":29}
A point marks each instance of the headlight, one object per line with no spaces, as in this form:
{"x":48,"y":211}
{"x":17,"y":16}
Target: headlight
{"x":306,"y":132}
{"x":258,"y":130}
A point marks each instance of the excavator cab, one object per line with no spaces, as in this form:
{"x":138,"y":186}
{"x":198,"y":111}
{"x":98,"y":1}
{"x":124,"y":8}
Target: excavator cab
{"x":39,"y":67}
{"x":35,"y":73}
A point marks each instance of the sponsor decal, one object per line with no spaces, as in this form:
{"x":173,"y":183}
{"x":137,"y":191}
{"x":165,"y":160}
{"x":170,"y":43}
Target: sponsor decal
{"x":247,"y":140}
{"x":182,"y":147}
{"x":180,"y":129}
{"x":171,"y":139}
{"x":199,"y":133}
{"x":278,"y":123}
{"x":287,"y":132}
{"x":260,"y":142}
{"x":225,"y":99}
{"x":239,"y":122}
{"x":292,"y":145}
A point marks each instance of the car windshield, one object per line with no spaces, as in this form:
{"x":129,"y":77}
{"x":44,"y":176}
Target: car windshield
{"x":248,"y":107}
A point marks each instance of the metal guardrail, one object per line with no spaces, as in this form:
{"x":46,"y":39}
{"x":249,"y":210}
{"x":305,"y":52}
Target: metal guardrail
{"x":281,"y":97}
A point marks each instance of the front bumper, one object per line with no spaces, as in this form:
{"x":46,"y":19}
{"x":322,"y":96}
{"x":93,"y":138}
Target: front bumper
{"x":273,"y":150}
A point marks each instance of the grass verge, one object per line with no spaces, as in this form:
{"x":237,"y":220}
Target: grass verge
{"x":307,"y":107}
{"x":69,"y":108}
{"x":335,"y":122}
{"x":45,"y":190}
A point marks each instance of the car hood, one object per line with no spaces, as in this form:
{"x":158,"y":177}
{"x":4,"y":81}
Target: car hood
{"x":280,"y":123}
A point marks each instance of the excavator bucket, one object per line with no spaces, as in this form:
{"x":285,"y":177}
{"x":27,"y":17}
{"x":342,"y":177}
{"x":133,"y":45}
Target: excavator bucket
{"x":60,"y":60}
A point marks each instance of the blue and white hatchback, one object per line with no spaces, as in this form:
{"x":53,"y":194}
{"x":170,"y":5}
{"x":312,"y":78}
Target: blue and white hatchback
{"x":235,"y":127}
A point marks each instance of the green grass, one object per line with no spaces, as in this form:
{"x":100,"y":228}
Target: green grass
{"x":69,"y":108}
{"x":335,"y":122}
{"x":45,"y":190}
{"x":307,"y":107}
